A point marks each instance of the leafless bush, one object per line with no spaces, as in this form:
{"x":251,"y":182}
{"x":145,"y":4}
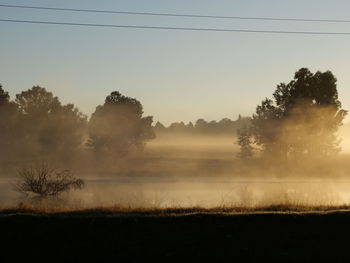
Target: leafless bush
{"x":43,"y":181}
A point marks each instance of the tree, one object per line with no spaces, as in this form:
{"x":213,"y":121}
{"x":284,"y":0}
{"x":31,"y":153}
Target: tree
{"x":201,"y":125}
{"x":301,"y":119}
{"x":8,"y":120}
{"x":37,"y":102}
{"x":4,"y":96}
{"x":159,"y":127}
{"x":225,"y":126}
{"x":190,"y":127}
{"x":117,"y":126}
{"x":245,"y":144}
{"x":42,"y":181}
{"x":178,"y":127}
{"x":48,"y":127}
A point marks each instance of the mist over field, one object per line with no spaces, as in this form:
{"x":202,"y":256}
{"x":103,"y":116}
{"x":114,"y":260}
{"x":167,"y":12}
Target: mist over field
{"x":294,"y":151}
{"x":188,"y":130}
{"x":180,"y":170}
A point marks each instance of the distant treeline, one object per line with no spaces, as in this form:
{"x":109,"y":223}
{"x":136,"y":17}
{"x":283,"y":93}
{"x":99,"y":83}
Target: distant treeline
{"x":225,"y":126}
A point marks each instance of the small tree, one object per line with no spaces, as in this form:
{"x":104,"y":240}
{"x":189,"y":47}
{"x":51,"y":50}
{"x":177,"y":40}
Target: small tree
{"x":244,"y":142}
{"x":43,"y":181}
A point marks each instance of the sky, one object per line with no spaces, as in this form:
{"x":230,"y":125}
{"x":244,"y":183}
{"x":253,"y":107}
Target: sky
{"x":176,"y":75}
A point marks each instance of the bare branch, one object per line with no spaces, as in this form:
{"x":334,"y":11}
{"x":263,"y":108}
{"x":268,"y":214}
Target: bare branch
{"x":45,"y":181}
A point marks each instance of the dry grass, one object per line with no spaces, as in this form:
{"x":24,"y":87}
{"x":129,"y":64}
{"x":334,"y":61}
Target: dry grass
{"x":118,"y":210}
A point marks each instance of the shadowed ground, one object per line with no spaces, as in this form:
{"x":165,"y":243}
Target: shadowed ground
{"x":216,"y":236}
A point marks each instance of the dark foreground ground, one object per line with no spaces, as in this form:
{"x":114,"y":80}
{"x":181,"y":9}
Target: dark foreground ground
{"x":125,"y":237}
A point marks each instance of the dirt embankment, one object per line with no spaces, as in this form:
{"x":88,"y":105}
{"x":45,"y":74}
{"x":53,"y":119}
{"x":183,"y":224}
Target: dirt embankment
{"x":200,"y":236}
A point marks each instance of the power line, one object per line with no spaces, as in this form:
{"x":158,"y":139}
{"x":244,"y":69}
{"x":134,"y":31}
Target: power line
{"x":174,"y":28}
{"x":177,"y":15}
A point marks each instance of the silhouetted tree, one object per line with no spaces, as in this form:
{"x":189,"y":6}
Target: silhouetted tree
{"x":301,"y":119}
{"x":245,"y":144}
{"x":159,"y":127}
{"x":8,"y":121}
{"x":4,"y":96}
{"x":201,"y":125}
{"x":117,"y":126}
{"x":42,"y":181}
{"x":225,"y":126}
{"x":190,"y":127}
{"x":48,"y":127}
{"x":179,"y":127}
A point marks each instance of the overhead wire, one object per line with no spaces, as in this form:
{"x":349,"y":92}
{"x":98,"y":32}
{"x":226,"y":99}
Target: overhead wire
{"x":173,"y":28}
{"x":175,"y":14}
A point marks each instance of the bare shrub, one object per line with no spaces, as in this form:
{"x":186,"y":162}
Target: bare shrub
{"x":43,"y":181}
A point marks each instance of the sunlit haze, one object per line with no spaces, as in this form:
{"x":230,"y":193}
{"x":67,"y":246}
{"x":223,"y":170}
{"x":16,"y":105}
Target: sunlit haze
{"x":175,"y":129}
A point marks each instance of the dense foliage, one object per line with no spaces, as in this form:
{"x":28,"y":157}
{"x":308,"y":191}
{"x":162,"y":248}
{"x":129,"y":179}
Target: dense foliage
{"x":117,"y":126}
{"x":36,"y":125}
{"x":302,"y":118}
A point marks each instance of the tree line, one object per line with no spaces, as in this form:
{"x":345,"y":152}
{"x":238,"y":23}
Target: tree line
{"x":37,"y":125}
{"x":225,"y":126}
{"x":300,"y":121}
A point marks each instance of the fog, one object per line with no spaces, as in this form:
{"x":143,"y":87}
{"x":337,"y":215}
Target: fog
{"x":201,"y":171}
{"x":288,"y":153}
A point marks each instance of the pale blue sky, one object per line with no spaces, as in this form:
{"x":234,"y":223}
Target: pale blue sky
{"x":176,"y":75}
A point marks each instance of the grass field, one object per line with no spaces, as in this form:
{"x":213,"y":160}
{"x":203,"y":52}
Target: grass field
{"x":188,"y":204}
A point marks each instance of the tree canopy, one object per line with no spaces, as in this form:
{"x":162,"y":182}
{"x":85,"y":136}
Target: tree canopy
{"x":8,"y":119}
{"x":301,"y":119}
{"x":117,"y":126}
{"x":37,"y":125}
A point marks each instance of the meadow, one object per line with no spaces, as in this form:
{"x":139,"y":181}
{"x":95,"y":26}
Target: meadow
{"x":177,"y":171}
{"x":188,"y":198}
